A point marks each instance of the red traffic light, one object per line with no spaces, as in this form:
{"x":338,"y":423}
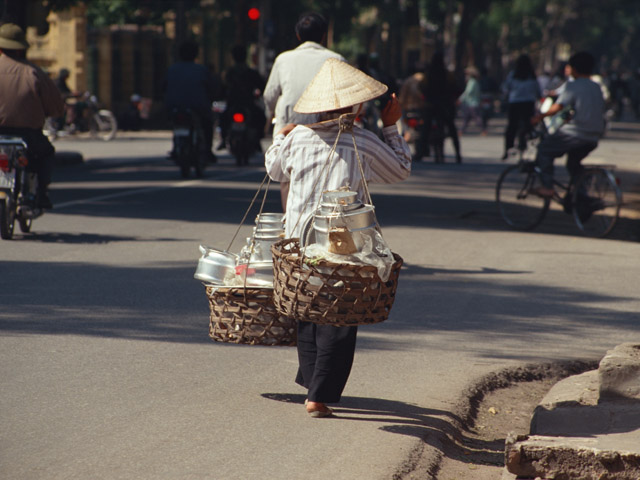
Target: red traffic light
{"x":253,"y":13}
{"x":238,"y":117}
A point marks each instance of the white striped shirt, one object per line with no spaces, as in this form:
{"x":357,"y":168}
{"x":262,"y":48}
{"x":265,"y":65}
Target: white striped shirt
{"x":301,"y":157}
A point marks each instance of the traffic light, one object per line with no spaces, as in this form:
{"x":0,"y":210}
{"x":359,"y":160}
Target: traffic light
{"x":252,"y":23}
{"x":253,"y":13}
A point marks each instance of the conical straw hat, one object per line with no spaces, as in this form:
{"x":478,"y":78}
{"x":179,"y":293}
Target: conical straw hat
{"x":338,"y":85}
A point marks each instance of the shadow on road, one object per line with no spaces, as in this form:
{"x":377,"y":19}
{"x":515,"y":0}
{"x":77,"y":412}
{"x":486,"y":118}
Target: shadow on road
{"x":162,"y":302}
{"x":75,"y":238}
{"x":132,"y":192}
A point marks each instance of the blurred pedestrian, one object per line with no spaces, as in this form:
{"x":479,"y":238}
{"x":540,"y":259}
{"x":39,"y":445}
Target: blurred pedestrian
{"x":190,"y":85}
{"x":618,"y":91}
{"x":522,"y":91}
{"x":411,"y":101}
{"x":291,"y":73}
{"x":243,"y":87}
{"x":470,"y":99}
{"x":441,"y":92}
{"x":633,"y":85}
{"x":488,"y":91}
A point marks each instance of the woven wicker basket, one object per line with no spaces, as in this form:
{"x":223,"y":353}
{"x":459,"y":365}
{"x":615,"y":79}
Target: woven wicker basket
{"x":330,"y":293}
{"x":248,"y":316}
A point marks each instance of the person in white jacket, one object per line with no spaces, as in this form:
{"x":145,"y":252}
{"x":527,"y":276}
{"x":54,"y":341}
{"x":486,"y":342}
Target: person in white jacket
{"x":291,"y":73}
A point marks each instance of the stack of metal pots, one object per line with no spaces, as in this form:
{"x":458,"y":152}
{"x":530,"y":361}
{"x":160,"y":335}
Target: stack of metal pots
{"x":256,"y":254}
{"x":222,"y":268}
{"x":342,"y":210}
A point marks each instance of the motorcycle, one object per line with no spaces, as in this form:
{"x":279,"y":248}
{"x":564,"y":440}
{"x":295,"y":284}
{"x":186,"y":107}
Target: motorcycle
{"x":244,"y":135}
{"x":188,"y":141}
{"x":83,"y":115}
{"x":18,"y":187}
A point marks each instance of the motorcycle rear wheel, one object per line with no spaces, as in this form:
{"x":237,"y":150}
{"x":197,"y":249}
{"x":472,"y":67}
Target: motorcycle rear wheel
{"x":7,"y":219}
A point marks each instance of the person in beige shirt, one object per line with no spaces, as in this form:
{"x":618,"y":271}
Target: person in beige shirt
{"x":27,"y":97}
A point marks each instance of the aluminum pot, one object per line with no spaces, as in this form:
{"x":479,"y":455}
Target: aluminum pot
{"x":261,"y":251}
{"x":340,"y":197}
{"x":267,"y":233}
{"x":259,"y":274}
{"x":214,"y":265}
{"x":269,"y":221}
{"x":359,"y":222}
{"x":338,"y":201}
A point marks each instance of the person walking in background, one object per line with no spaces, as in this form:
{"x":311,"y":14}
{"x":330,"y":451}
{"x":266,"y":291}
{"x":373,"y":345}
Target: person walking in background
{"x":64,"y":89}
{"x":470,"y":99}
{"x":27,"y":97}
{"x":412,"y":104}
{"x":291,"y":73}
{"x":243,"y":86}
{"x":441,"y":93}
{"x":488,"y":91}
{"x":522,"y":91}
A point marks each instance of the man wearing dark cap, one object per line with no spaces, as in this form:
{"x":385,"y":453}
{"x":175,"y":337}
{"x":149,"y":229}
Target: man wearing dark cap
{"x":27,"y":97}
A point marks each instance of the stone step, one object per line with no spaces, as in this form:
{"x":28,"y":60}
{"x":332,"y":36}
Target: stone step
{"x":587,"y":427}
{"x":599,"y":457}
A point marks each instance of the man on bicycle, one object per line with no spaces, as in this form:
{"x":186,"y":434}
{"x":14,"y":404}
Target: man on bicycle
{"x":582,"y":100}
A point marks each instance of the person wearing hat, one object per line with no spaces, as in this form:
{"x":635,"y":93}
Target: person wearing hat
{"x":27,"y":97}
{"x":299,"y":155}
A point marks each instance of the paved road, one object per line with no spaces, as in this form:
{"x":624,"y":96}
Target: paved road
{"x":107,"y":372}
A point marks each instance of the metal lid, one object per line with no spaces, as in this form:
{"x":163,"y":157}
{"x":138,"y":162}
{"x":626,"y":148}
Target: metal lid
{"x":340,"y":197}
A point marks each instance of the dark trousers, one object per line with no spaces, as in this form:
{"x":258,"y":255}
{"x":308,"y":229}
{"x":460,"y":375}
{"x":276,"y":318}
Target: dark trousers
{"x":557,"y":145}
{"x":518,"y":123}
{"x":325,"y":356}
{"x":445,"y":115}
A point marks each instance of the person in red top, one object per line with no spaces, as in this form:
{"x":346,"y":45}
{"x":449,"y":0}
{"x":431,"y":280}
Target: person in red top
{"x":27,"y":97}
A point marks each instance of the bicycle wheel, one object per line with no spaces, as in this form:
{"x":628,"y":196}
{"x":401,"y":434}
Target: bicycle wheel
{"x":519,"y":207}
{"x":103,"y":124}
{"x":596,"y":200}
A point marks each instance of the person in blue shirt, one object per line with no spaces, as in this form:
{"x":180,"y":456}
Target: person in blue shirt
{"x":522,"y":91}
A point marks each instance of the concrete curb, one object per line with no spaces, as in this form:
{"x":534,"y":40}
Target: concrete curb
{"x":426,"y":461}
{"x":587,"y":427}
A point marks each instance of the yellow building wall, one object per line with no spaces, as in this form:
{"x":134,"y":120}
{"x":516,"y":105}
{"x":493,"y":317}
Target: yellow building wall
{"x":64,"y":46}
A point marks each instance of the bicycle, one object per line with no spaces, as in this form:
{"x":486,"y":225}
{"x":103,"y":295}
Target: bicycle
{"x":593,"y":198}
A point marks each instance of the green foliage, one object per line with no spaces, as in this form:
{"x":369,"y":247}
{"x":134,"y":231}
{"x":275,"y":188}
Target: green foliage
{"x":610,"y":29}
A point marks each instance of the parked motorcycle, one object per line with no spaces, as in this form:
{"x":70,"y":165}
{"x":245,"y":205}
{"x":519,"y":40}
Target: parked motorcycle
{"x":18,"y":187}
{"x":83,"y":115}
{"x":188,"y":140}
